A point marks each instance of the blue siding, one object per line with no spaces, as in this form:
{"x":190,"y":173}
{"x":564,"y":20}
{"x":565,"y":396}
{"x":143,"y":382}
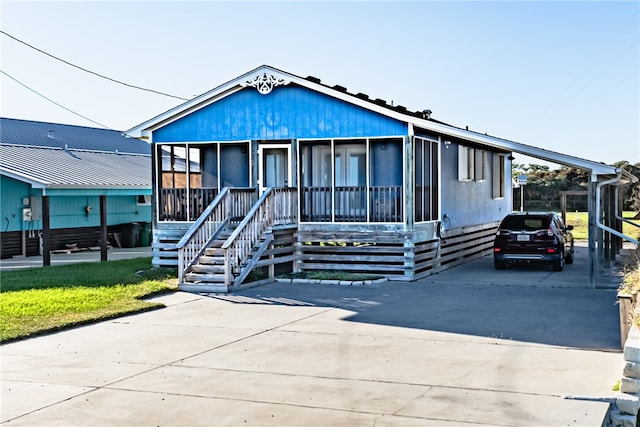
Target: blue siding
{"x":289,"y":112}
{"x":11,"y":203}
{"x":66,"y":211}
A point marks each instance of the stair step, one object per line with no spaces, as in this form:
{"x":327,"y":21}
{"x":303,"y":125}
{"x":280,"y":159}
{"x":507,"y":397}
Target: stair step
{"x":206,"y":287}
{"x":213,"y":252}
{"x":208,"y":268}
{"x":195,"y":278}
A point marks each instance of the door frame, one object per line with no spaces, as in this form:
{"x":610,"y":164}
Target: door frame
{"x":266,"y":146}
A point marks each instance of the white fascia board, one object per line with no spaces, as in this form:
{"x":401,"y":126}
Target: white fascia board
{"x":144,"y":129}
{"x":504,"y":144}
{"x":34,"y":182}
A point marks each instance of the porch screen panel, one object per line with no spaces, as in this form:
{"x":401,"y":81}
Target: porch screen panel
{"x":385,"y":191}
{"x":418,"y":158}
{"x":350,"y":194}
{"x":426,"y":180}
{"x":172,"y":185}
{"x":234,"y":165}
{"x":316,"y":181}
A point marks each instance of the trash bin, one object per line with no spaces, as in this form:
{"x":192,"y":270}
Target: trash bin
{"x":130,"y":234}
{"x":145,"y":234}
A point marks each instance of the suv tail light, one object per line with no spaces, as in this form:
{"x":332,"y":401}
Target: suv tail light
{"x":549,"y":232}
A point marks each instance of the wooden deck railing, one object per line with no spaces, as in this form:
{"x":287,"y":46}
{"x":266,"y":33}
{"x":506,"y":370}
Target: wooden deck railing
{"x":203,"y":231}
{"x":350,"y":204}
{"x":175,"y":204}
{"x":276,"y":206}
{"x":227,"y":207}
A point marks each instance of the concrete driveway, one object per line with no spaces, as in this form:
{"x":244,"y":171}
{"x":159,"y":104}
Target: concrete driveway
{"x":444,"y":351}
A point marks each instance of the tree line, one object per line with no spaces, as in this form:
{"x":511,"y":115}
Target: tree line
{"x":542,"y":191}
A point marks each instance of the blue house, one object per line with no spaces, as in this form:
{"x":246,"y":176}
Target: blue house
{"x":63,"y":185}
{"x":277,"y":172}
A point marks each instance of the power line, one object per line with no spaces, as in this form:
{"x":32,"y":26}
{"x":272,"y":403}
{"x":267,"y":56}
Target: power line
{"x":54,"y":102}
{"x":89,"y":71}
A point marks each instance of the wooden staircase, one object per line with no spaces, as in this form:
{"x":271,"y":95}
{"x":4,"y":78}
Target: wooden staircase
{"x":217,"y":254}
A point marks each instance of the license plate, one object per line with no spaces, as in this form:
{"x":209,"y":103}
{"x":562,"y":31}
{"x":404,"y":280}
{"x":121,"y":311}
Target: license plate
{"x":522,"y":238}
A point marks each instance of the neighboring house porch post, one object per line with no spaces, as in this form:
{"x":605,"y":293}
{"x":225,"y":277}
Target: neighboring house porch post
{"x":103,"y":228}
{"x":46,"y":233}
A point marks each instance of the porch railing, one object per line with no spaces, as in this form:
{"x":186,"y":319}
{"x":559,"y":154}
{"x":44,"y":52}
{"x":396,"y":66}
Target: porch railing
{"x":203,"y":231}
{"x":228,"y":206}
{"x":176,"y":204}
{"x":385,"y":204}
{"x":276,"y":206}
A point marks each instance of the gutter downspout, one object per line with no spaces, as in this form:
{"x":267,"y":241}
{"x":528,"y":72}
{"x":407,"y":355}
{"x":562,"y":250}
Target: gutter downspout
{"x":601,"y":225}
{"x":621,"y":218}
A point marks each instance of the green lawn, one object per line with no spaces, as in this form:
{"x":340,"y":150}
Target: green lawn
{"x":579,"y":220}
{"x":39,"y":300}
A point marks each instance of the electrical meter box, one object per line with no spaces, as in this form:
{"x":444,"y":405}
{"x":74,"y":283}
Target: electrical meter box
{"x":36,"y":208}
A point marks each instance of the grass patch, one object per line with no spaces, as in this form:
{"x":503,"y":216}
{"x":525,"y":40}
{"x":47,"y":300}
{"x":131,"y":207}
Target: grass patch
{"x":330,"y":275}
{"x":580,"y":222}
{"x":39,"y":300}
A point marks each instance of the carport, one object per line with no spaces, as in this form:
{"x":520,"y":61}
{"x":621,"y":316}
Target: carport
{"x":604,"y":191}
{"x":604,"y":194}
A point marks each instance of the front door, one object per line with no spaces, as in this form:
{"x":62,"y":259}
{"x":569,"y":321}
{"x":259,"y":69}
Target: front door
{"x":274,"y":165}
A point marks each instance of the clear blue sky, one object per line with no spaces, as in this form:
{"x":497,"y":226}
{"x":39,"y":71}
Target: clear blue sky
{"x":564,"y":76}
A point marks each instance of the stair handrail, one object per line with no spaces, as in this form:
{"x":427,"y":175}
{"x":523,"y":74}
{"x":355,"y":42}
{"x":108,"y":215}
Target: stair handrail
{"x":262,"y":216}
{"x":202,"y":231}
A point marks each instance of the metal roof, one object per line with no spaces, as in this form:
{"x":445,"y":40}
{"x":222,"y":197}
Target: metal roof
{"x":44,"y":134}
{"x":419,"y":119}
{"x":46,"y":167}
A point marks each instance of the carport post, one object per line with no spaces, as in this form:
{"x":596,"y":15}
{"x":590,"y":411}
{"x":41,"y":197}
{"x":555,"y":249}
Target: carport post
{"x":103,"y":228}
{"x":592,"y":230}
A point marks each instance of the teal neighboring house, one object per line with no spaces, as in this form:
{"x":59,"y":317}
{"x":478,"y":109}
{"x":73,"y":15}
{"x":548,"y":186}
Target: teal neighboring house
{"x":68,"y":186}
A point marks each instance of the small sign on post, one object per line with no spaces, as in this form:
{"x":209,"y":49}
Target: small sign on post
{"x":522,"y":181}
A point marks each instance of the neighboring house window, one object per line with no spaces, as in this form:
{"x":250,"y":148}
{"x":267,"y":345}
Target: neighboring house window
{"x":143,"y":200}
{"x":498,"y":176}
{"x":425,"y":159}
{"x":466,"y":163}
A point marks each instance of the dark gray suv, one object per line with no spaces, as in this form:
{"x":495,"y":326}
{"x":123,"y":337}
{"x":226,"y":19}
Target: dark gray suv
{"x":533,"y":237}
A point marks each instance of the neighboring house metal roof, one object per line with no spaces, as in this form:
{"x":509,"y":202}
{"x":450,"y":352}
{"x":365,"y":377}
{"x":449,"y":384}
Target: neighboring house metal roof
{"x":58,"y":156}
{"x":46,"y":167}
{"x":419,"y":119}
{"x":44,"y":134}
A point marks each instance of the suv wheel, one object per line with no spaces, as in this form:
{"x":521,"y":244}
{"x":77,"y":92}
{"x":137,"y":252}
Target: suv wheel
{"x":569,"y":258}
{"x":499,"y":265}
{"x":558,"y":265}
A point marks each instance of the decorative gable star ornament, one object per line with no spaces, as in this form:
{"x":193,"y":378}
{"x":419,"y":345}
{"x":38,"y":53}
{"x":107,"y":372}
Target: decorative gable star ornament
{"x":265,"y":83}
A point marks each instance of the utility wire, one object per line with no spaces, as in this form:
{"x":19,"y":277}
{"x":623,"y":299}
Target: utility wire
{"x":89,"y":71}
{"x":54,"y":102}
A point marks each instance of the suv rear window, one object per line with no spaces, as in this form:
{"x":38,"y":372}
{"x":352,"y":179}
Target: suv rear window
{"x":528,"y":223}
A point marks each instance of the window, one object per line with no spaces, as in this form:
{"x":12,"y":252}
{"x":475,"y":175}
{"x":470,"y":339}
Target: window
{"x":142,"y":200}
{"x":498,"y":176}
{"x":480,"y":165}
{"x":466,"y":163}
{"x":426,"y":180}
